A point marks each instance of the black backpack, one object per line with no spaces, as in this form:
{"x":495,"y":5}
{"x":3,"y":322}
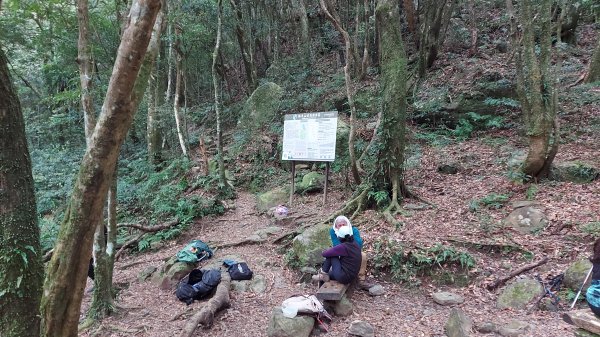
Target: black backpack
{"x":197,"y":285}
{"x":240,"y":271}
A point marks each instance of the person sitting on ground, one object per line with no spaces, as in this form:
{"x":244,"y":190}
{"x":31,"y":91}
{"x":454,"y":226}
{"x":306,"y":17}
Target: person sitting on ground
{"x":339,"y":222}
{"x":593,"y":292}
{"x":342,"y":262}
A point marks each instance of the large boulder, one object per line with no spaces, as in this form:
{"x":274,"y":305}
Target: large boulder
{"x":311,"y":182}
{"x":341,"y":138}
{"x":574,"y":171}
{"x":281,"y":326}
{"x":458,"y":324}
{"x":576,"y":273}
{"x":308,"y":246}
{"x":262,"y":106}
{"x":520,"y":293}
{"x":272,"y":198}
{"x":526,"y":218}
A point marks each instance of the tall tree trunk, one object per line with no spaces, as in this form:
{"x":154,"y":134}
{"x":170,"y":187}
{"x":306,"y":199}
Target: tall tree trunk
{"x":148,"y":78}
{"x":86,"y":70}
{"x":536,"y":83}
{"x":217,"y":89}
{"x":21,"y":269}
{"x":349,"y":89}
{"x":153,"y":131}
{"x":365,"y":58}
{"x":593,"y":74}
{"x":393,"y":86}
{"x":247,"y":53}
{"x":66,"y":273}
{"x":178,"y":86}
{"x":436,"y":17}
{"x":304,"y":42}
{"x":409,"y":12}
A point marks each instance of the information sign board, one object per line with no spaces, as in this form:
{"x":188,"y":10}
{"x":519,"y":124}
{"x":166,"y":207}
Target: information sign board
{"x":309,"y":136}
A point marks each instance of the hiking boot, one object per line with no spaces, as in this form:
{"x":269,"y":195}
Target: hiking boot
{"x":321,"y":277}
{"x":364,"y":285}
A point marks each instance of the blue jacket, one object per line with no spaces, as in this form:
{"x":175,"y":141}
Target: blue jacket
{"x":355,"y":233}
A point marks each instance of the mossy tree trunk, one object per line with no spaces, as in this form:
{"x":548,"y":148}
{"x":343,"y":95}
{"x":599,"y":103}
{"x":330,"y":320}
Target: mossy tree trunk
{"x":21,"y":269}
{"x":67,"y":270}
{"x":390,"y":161}
{"x":593,"y":74}
{"x":217,"y":88}
{"x":334,"y":18}
{"x":299,"y":13}
{"x":387,"y":175}
{"x":536,"y":83}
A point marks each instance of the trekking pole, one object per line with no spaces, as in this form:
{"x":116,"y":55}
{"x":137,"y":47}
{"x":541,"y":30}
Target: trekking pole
{"x":581,"y":288}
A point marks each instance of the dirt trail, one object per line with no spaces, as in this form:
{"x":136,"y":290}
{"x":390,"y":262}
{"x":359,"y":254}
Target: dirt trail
{"x":146,"y":310}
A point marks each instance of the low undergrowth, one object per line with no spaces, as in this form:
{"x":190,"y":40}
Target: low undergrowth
{"x":406,"y":264}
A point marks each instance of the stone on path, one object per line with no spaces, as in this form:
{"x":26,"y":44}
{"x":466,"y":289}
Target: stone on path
{"x":281,"y":326}
{"x":486,"y":327}
{"x":518,"y":294}
{"x":376,"y":290}
{"x":447,"y":298}
{"x":584,"y":319}
{"x":258,"y":284}
{"x":458,"y":324}
{"x":342,"y":307}
{"x":527,"y":219}
{"x":576,"y":273}
{"x":360,"y":328}
{"x":514,"y":328}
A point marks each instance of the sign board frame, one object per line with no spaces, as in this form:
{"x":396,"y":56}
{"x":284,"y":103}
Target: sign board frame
{"x":310,"y":137}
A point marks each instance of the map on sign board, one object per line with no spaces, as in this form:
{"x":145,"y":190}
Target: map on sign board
{"x":309,"y":136}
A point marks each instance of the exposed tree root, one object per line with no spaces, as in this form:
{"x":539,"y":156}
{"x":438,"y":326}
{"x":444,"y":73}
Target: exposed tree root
{"x":519,"y":271}
{"x":354,"y":206}
{"x":206,"y":315}
{"x":128,"y":244}
{"x":291,"y":233}
{"x":250,"y":241}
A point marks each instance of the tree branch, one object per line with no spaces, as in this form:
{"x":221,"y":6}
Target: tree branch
{"x":519,"y":271}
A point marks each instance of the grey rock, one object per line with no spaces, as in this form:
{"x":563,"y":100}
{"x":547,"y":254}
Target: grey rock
{"x":584,"y":333}
{"x":342,"y":307}
{"x":258,"y":284}
{"x":447,"y":298}
{"x":281,"y":326}
{"x":576,"y":273}
{"x":518,"y":294}
{"x":308,"y":270}
{"x":486,"y":327}
{"x":376,"y":290}
{"x":239,"y":286}
{"x":263,"y":233}
{"x":574,"y":171}
{"x":526,"y":220}
{"x":311,"y":182}
{"x":272,"y":198}
{"x":514,"y":328}
{"x":447,"y":169}
{"x":458,"y":324}
{"x":146,"y":273}
{"x":361,"y":328}
{"x":308,"y":246}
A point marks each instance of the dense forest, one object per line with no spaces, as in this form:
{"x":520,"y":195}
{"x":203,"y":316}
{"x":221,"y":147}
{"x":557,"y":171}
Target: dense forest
{"x":466,"y":153}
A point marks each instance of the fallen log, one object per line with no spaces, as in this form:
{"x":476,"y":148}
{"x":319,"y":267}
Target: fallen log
{"x":206,"y":315}
{"x":502,"y":281}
